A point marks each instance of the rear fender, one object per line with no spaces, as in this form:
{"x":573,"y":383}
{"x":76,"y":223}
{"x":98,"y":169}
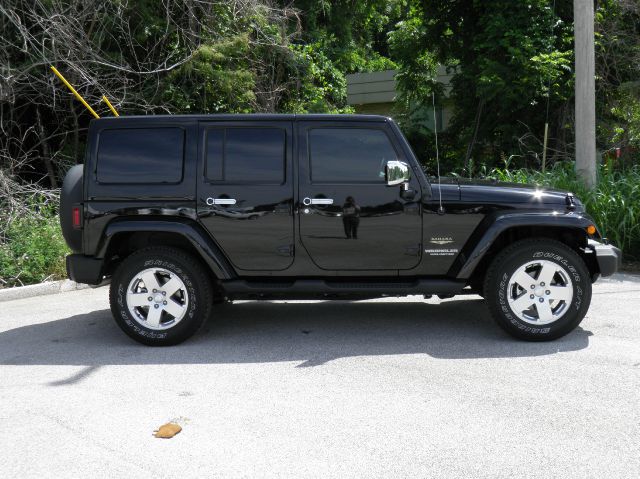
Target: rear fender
{"x":188,"y":229}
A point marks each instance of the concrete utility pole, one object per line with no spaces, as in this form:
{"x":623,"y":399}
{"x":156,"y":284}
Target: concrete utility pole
{"x":585,"y":92}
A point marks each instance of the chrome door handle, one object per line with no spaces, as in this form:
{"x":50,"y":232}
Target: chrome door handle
{"x":317,"y":201}
{"x":220,"y":201}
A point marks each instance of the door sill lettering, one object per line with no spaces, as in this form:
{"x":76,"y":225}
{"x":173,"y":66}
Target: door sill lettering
{"x":441,"y":252}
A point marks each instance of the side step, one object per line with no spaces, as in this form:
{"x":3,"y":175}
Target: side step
{"x":318,"y":288}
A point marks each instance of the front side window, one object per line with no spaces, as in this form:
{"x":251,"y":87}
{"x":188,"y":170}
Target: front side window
{"x":245,"y":155}
{"x":140,"y":155}
{"x":349,"y":155}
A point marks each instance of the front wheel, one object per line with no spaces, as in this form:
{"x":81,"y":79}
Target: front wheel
{"x":160,"y":296}
{"x":538,"y":289}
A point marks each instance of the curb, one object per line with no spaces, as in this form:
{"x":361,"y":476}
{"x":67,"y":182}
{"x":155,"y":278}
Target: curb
{"x":42,"y":289}
{"x":620,"y":276}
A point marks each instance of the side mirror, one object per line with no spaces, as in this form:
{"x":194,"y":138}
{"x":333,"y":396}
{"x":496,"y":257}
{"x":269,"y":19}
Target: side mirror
{"x":397,"y":172}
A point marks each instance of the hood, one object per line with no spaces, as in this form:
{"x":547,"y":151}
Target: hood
{"x":489,"y":191}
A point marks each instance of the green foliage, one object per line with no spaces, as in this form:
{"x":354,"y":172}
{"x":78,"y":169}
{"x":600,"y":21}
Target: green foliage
{"x":613,"y":204}
{"x":507,"y":57}
{"x":32,"y":249}
{"x":422,"y":143}
{"x":226,"y":73}
{"x":321,"y":87}
{"x":351,"y":34}
{"x":623,"y":127}
{"x":417,"y":75}
{"x":505,"y":64}
{"x":216,"y":79}
{"x":617,"y":73}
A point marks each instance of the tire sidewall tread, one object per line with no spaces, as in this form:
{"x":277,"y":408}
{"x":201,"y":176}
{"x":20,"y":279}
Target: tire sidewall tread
{"x":497,"y":284}
{"x":192,"y":274}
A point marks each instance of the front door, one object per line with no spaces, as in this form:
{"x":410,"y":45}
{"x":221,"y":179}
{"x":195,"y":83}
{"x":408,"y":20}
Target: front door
{"x":245,"y":191}
{"x":349,"y":218}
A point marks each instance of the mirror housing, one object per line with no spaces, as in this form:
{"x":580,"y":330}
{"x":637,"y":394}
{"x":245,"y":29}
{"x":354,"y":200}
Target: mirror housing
{"x":397,"y":172}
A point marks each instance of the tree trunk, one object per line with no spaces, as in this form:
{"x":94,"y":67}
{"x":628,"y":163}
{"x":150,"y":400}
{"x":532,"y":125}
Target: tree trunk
{"x":475,"y":131}
{"x":46,"y":151}
{"x":76,"y":134}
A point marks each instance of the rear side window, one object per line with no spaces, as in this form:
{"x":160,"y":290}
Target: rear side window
{"x":349,"y":155}
{"x":140,"y":155}
{"x":245,"y":155}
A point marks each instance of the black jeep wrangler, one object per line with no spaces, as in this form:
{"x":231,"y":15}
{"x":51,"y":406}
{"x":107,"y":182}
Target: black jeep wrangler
{"x":182,"y":212}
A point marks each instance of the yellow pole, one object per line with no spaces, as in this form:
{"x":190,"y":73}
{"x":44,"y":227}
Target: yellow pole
{"x":113,"y":110}
{"x":73,"y":90}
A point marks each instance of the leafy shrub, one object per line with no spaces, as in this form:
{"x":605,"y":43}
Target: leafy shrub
{"x":32,"y":249}
{"x":614,"y":204}
{"x":321,"y":86}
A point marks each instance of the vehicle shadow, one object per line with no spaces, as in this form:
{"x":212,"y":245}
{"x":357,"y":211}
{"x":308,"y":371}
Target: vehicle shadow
{"x":310,"y":334}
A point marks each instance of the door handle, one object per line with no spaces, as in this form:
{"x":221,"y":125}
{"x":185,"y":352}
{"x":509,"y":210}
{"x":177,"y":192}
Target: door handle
{"x":220,"y":201}
{"x":317,"y":201}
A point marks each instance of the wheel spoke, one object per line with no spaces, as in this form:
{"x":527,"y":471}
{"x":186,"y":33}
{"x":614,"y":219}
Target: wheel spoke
{"x":539,"y":294}
{"x":138,"y":299}
{"x":560,"y":293}
{"x":153,"y":317}
{"x":146,"y":307}
{"x":522,"y":303}
{"x":544,"y":312}
{"x":174,"y":309}
{"x":523,"y":279}
{"x":150,"y":281}
{"x":171,"y":286}
{"x":547,"y":272}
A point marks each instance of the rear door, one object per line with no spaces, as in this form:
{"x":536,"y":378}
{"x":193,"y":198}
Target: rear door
{"x":245,"y":191}
{"x":349,"y":218}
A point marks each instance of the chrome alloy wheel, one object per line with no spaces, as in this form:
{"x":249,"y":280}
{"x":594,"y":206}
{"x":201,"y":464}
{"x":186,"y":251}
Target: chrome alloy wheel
{"x":540,"y":292}
{"x":157,"y":298}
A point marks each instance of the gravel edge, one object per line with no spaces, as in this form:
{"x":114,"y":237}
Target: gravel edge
{"x":41,"y":289}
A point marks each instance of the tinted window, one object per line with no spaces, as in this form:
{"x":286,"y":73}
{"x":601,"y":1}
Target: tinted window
{"x":349,"y":155}
{"x":239,"y":155}
{"x":215,"y":144}
{"x":140,"y":155}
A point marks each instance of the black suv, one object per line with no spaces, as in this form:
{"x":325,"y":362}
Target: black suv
{"x":182,"y":212}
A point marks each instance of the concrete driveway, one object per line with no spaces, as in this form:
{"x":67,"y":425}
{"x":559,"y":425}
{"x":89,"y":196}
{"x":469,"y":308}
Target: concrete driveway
{"x":388,"y":388}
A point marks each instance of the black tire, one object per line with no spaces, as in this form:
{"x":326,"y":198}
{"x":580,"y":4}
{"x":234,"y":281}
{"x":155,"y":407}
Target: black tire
{"x":195,"y":280}
{"x":71,"y":194}
{"x":497,"y":289}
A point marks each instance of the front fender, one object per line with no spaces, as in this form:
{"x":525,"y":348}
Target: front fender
{"x":492,"y":227}
{"x":192,"y":231}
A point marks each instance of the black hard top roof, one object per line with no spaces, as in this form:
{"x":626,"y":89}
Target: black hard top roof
{"x":248,"y":117}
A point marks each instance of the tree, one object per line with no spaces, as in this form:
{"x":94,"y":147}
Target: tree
{"x":351,"y":34}
{"x":506,"y":63}
{"x":174,"y":56}
{"x":617,"y":76}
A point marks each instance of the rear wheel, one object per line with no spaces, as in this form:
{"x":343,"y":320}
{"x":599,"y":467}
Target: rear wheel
{"x":538,"y":289}
{"x":160,"y":296}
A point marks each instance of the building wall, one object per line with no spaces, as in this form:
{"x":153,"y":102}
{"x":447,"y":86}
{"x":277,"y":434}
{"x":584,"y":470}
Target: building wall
{"x":373,"y":87}
{"x":375,"y":92}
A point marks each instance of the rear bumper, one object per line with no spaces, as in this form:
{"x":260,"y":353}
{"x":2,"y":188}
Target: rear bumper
{"x":608,"y":256}
{"x":84,"y":269}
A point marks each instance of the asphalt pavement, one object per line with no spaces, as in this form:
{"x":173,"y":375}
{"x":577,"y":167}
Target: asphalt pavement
{"x":387,"y":388}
